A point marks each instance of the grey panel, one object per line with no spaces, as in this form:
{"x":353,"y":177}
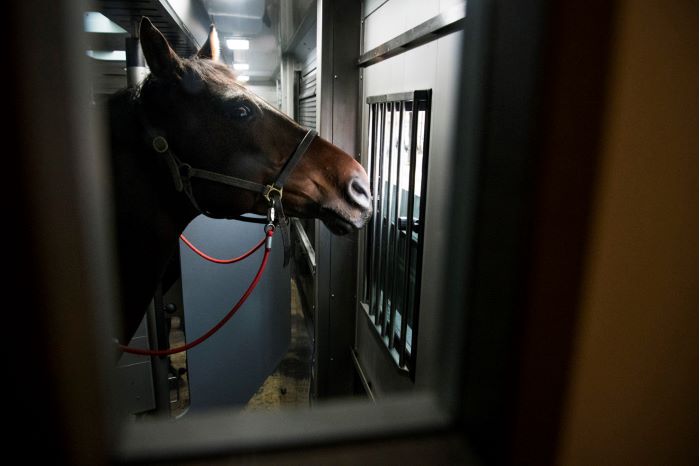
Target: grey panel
{"x":134,"y":384}
{"x":133,"y":377}
{"x":380,"y":370}
{"x":227,"y":369}
{"x":372,"y":353}
{"x":303,"y":40}
{"x":370,"y":6}
{"x":337,"y":84}
{"x":438,"y":26}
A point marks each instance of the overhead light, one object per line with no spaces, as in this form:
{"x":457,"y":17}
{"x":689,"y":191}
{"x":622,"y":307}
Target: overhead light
{"x":97,"y":22}
{"x":114,"y":55}
{"x":238,"y":44}
{"x":243,"y":78}
{"x":241,"y":66}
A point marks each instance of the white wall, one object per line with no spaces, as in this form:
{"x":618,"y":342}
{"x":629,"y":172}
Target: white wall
{"x":268,"y":93}
{"x":397,"y":16}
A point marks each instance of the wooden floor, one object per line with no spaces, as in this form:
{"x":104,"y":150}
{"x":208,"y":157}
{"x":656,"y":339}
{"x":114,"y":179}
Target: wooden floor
{"x":287,"y":386}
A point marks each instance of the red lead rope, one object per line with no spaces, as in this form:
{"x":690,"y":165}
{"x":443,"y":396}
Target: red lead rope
{"x":227,"y":317}
{"x":221,"y":261}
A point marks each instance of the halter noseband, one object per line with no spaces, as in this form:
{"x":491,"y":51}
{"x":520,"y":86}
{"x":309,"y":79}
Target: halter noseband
{"x":182,"y":174}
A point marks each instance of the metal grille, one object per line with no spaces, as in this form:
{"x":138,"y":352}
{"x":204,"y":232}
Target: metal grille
{"x":306,"y":110}
{"x":398,"y":160}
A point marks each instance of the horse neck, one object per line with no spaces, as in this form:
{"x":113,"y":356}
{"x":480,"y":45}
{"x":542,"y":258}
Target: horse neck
{"x":150,"y":213}
{"x":144,"y":188}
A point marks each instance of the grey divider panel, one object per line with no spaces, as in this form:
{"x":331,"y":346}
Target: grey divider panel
{"x":134,"y":377}
{"x":227,"y":369}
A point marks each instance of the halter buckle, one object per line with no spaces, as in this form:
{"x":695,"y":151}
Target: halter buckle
{"x":269,"y":190}
{"x":160,"y":144}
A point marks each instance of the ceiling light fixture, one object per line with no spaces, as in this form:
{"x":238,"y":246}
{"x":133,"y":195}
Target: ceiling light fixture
{"x":114,"y":55}
{"x":243,"y":78}
{"x":241,"y":66}
{"x":99,"y":23}
{"x":238,"y":44}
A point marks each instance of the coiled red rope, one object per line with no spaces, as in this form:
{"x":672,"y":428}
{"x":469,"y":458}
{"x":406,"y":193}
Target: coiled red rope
{"x":268,"y":246}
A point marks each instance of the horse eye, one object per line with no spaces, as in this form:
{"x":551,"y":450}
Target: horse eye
{"x":240,"y":112}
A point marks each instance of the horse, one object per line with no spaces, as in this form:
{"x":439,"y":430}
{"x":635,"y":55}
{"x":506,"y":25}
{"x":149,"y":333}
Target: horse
{"x":211,"y":122}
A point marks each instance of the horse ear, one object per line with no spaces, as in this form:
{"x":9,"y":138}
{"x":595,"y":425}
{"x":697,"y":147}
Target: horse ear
{"x":161,"y":58}
{"x":211,"y":49}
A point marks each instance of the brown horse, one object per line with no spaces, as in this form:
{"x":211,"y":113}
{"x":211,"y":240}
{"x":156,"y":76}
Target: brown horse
{"x":211,"y":123}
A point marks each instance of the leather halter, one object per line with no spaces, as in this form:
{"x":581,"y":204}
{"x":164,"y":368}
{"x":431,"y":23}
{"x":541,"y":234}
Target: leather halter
{"x":182,"y":174}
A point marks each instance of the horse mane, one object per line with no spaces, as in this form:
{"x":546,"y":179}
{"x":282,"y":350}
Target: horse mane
{"x":194,"y":74}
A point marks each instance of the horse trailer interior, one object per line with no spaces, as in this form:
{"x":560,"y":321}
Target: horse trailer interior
{"x":401,"y":232}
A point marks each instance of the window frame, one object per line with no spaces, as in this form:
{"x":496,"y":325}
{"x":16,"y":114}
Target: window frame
{"x":384,"y":229}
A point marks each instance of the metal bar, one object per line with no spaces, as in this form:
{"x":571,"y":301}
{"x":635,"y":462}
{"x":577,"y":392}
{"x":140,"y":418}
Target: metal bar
{"x":394,"y":295}
{"x":309,"y":253}
{"x":380,"y":218}
{"x":387,"y":229}
{"x":376,"y":244}
{"x":390,"y":97}
{"x":405,"y":277}
{"x":409,"y":231}
{"x":365,"y":248}
{"x":158,"y":340}
{"x":371,"y":243}
{"x":434,"y":28}
{"x":425,"y":99}
{"x":369,"y":235}
{"x":364,"y":253}
{"x":391,"y":200}
{"x":363,"y":378}
{"x":377,"y":212}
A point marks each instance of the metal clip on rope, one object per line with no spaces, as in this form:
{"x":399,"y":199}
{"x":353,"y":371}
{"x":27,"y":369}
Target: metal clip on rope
{"x":270,"y":227}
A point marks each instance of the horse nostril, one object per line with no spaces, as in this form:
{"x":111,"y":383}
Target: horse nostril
{"x":359,"y":192}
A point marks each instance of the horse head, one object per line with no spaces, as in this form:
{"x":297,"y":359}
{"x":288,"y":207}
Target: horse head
{"x":214,"y":123}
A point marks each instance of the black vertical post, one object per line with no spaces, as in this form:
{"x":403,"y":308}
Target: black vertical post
{"x":372,"y":243}
{"x":393,"y":292}
{"x":425,"y":102}
{"x":409,"y":231}
{"x":158,"y":340}
{"x":379,"y":218}
{"x":338,"y":80}
{"x":386,"y":233}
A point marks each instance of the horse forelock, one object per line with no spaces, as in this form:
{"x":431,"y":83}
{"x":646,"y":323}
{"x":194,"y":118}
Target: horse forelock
{"x":211,"y":73}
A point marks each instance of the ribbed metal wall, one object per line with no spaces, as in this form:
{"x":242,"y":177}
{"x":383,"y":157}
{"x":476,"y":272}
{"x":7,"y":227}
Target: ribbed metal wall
{"x":306,"y":104}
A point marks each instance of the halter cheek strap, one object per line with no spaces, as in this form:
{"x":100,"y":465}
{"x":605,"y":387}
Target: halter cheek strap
{"x":182,"y":174}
